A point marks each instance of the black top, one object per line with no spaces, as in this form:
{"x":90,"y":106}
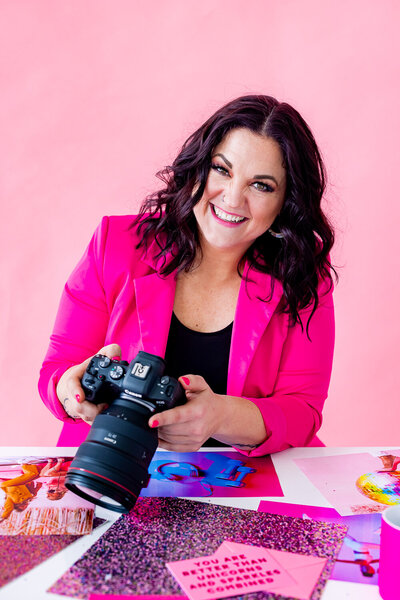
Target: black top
{"x":199,"y":353}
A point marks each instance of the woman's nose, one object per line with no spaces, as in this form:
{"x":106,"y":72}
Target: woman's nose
{"x":233,"y":196}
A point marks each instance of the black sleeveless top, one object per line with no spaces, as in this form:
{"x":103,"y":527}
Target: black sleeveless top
{"x":205,"y":354}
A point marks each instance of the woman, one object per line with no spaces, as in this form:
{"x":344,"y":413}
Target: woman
{"x":225,"y":273}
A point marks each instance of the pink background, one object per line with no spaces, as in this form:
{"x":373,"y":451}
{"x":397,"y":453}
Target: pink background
{"x":97,"y":95}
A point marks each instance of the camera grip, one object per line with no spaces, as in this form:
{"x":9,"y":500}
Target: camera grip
{"x":92,"y":386}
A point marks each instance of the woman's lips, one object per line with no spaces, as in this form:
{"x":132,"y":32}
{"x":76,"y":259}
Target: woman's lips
{"x":222,"y":221}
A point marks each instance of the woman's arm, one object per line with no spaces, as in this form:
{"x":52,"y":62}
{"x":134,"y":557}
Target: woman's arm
{"x":80,"y":326}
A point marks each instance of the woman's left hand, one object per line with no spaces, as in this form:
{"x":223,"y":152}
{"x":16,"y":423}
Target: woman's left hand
{"x":185,"y":428}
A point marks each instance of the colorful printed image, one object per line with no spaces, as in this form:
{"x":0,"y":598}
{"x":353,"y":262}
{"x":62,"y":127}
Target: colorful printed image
{"x":358,"y":559}
{"x":35,"y":501}
{"x":217,"y":474}
{"x":383,"y":485}
{"x":356,"y":483}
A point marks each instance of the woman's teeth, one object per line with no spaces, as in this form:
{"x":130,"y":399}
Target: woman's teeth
{"x":226,"y":217}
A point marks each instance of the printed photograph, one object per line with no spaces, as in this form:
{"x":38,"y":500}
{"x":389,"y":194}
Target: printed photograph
{"x":35,"y":501}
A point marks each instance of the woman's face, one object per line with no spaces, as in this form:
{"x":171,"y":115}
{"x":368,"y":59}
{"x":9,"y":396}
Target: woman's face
{"x":244,"y":192}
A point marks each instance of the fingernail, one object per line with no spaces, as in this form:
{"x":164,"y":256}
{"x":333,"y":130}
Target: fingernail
{"x":154,"y":424}
{"x":116,"y":358}
{"x":186,"y":380}
{"x":78,"y":398}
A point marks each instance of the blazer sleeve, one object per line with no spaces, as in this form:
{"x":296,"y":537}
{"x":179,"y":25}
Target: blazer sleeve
{"x":81,"y":321}
{"x":293,"y":412}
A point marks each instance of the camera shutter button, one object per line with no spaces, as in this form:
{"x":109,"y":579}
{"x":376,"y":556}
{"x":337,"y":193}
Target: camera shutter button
{"x":165,"y":379}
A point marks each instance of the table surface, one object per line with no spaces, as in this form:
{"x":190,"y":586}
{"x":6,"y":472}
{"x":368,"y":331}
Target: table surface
{"x":296,"y":487}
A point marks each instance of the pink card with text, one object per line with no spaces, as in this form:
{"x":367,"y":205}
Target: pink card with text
{"x":304,"y":569}
{"x":229,"y":573}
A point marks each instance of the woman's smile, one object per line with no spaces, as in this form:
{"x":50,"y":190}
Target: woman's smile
{"x":225,"y":218}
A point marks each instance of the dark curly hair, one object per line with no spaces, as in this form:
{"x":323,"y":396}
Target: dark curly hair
{"x":300,"y":259}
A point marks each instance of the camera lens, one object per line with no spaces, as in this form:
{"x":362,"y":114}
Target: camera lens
{"x":111,"y":466}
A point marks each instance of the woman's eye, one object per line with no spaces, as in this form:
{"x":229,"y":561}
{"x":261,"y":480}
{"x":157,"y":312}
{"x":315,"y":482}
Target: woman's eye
{"x":262,"y":187}
{"x":219,"y":169}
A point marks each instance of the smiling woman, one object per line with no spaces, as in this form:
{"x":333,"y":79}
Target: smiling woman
{"x":225,"y":273}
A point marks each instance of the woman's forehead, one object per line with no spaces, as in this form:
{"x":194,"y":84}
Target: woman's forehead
{"x":243,"y":147}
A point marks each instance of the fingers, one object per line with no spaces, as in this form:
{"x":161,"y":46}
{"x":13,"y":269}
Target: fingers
{"x":86,"y":411}
{"x":173,"y":416}
{"x":193,"y":383}
{"x":70,"y":391}
{"x":112,"y":351}
{"x":75,"y":389}
{"x":184,"y":427}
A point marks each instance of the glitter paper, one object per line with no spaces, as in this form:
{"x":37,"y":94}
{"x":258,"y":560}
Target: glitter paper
{"x":130,"y":557}
{"x":20,"y":553}
{"x":112,"y":597}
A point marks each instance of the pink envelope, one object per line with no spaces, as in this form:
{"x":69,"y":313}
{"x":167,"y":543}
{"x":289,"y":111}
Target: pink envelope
{"x":304,"y":569}
{"x":229,"y":573}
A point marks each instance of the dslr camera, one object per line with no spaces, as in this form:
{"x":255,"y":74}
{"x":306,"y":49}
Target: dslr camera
{"x":111,"y":466}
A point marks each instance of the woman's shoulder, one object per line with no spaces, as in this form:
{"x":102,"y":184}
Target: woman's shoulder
{"x":118,"y":225}
{"x":116,"y":242}
{"x":117,"y":230}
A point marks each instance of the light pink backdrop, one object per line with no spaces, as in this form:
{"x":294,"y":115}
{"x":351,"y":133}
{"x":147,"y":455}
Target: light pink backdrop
{"x":97,"y":95}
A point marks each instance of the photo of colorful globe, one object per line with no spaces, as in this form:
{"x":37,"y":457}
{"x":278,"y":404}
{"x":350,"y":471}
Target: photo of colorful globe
{"x":380,"y":486}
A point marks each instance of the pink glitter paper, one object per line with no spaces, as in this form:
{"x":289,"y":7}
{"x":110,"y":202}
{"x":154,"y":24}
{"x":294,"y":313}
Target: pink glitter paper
{"x":130,"y":557}
{"x":20,"y":553}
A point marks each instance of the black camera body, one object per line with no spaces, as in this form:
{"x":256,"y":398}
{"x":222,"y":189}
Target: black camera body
{"x":141,"y":381}
{"x":110,"y":467}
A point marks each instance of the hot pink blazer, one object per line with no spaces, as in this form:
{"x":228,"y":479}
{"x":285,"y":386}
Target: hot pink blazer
{"x":115,"y":295}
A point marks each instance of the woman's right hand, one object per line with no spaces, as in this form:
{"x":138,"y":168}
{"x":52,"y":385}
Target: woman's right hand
{"x":70,"y":392}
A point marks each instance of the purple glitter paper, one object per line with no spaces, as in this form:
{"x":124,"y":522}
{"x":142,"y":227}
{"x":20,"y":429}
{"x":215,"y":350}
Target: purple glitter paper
{"x":20,"y":553}
{"x":130,"y":557}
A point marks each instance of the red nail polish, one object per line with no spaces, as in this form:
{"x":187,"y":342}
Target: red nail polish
{"x":186,"y":380}
{"x":154,"y":424}
{"x":116,"y":358}
{"x":78,"y":398}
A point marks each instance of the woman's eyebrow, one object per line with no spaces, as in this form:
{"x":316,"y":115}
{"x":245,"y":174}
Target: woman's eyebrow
{"x":224,"y":159}
{"x":266,"y":177}
{"x":254,"y":177}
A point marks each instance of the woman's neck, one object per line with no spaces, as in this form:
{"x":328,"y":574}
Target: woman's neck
{"x":218,"y":264}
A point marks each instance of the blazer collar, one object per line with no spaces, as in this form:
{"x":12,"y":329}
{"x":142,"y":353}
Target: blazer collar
{"x":155,"y":295}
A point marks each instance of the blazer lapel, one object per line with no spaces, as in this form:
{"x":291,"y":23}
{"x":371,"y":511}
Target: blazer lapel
{"x":154,"y":303}
{"x":251,"y":319}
